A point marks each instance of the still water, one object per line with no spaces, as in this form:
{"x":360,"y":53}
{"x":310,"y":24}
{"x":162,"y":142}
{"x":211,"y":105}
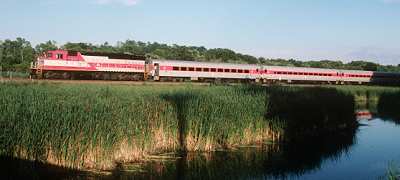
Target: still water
{"x":364,"y":153}
{"x":376,"y":145}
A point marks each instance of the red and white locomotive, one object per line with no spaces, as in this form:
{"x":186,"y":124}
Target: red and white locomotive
{"x":75,"y":65}
{"x":106,"y":66}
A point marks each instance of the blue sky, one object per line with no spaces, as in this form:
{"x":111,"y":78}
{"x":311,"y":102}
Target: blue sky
{"x":301,"y":29}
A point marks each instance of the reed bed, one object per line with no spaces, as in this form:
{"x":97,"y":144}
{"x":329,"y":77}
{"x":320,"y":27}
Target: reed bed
{"x":366,"y":93}
{"x":306,"y":111}
{"x":95,"y":126}
{"x":85,"y":126}
{"x":388,"y":106}
{"x":393,"y":171}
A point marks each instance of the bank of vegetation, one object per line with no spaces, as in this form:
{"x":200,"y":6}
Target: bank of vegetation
{"x":94,"y":126}
{"x":16,"y":55}
{"x":99,"y":126}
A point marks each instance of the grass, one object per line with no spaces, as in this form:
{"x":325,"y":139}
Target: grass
{"x":93,"y":126}
{"x":98,"y":126}
{"x":12,"y":74}
{"x":388,"y":106}
{"x":310,"y":111}
{"x":366,"y":93}
{"x":393,"y":172}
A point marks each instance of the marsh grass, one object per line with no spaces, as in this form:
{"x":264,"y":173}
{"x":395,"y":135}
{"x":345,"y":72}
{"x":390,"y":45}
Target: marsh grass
{"x":95,"y":126}
{"x":393,"y":172}
{"x":99,"y":126}
{"x":13,"y":75}
{"x":311,"y":111}
{"x":388,"y":106}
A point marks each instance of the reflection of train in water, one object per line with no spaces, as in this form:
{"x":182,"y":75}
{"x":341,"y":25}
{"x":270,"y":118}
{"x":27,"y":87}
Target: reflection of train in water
{"x":60,"y":64}
{"x":364,"y":115}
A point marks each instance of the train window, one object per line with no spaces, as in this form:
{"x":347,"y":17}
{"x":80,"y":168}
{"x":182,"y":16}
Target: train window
{"x":206,"y":70}
{"x":175,"y":68}
{"x":191,"y":69}
{"x":246,"y":71}
{"x":213,"y":70}
{"x":183,"y":68}
{"x":220,"y":70}
{"x":49,"y":55}
{"x":226,"y":70}
{"x":240,"y":71}
{"x":198,"y":69}
{"x":233,"y":70}
{"x":284,"y":72}
{"x":59,"y":56}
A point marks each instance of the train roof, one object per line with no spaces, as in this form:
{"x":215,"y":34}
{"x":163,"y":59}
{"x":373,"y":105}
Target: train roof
{"x":194,"y":63}
{"x":113,"y":55}
{"x":283,"y":68}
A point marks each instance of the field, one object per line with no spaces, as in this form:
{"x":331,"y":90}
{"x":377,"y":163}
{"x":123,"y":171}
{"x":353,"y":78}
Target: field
{"x":87,"y":126}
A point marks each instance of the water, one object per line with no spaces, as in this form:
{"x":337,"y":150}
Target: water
{"x":364,"y":153}
{"x":376,"y":145}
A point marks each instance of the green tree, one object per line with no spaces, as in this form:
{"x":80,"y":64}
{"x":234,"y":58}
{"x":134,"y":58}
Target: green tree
{"x":16,"y":55}
{"x":106,"y":47}
{"x":46,"y":46}
{"x":83,"y":47}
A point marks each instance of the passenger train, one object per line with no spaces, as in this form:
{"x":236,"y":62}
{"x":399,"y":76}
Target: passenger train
{"x":62,"y":64}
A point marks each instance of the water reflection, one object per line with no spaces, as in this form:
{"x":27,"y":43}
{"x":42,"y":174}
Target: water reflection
{"x":12,"y":168}
{"x":268,"y":161}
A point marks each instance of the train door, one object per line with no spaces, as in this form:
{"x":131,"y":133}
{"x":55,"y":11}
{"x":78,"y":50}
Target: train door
{"x":340,"y":77}
{"x":156,"y":71}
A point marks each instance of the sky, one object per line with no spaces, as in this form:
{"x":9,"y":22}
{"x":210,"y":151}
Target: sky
{"x":301,"y":29}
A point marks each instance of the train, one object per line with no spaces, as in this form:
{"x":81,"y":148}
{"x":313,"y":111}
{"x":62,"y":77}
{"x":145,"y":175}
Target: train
{"x":64,"y":64}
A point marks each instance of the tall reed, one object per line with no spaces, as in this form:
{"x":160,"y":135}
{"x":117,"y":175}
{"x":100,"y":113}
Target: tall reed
{"x":94,"y":126}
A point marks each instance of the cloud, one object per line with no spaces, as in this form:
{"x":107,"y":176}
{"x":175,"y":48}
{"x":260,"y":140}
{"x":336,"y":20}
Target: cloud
{"x":123,"y":2}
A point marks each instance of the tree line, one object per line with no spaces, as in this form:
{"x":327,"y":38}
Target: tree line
{"x":16,"y":55}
